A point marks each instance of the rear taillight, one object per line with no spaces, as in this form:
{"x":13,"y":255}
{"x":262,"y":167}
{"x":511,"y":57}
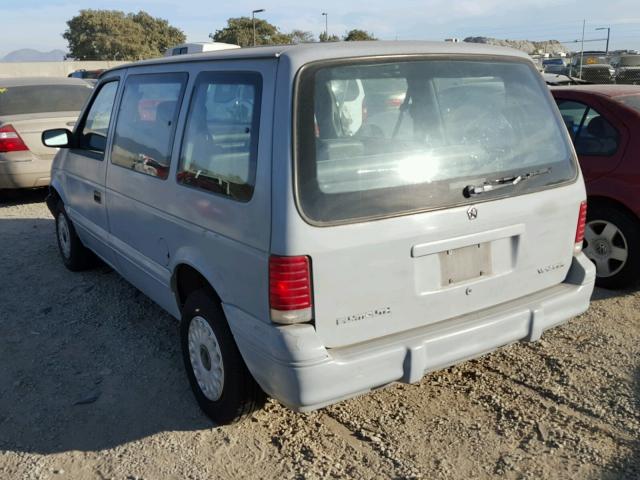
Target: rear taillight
{"x":290,"y":296}
{"x":582,"y":223}
{"x":10,"y":141}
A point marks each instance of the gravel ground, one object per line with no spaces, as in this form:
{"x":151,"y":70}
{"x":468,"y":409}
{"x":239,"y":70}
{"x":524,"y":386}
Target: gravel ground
{"x":92,"y":386}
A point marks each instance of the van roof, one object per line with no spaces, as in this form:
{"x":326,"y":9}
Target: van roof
{"x":308,"y":52}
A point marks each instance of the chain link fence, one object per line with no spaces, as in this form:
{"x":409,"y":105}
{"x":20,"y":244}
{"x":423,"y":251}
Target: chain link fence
{"x":599,"y":70}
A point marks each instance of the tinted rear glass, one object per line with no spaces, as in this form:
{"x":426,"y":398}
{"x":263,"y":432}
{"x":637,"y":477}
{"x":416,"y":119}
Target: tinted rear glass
{"x":632,"y":101}
{"x":440,"y":126}
{"x":43,"y":98}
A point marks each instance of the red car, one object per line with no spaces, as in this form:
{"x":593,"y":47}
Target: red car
{"x":604,"y":124}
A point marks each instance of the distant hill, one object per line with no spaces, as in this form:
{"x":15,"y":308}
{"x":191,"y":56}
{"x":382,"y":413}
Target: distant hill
{"x":549,"y":46}
{"x":30,"y":55}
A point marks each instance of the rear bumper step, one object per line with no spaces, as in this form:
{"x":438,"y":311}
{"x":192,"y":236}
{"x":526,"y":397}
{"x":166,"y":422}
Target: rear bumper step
{"x":292,"y":366}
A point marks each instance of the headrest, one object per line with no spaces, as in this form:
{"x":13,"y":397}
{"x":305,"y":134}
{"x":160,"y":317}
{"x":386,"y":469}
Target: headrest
{"x":165,"y":111}
{"x":599,"y":127}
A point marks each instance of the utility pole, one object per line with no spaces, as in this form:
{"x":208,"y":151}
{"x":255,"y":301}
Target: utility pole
{"x":582,"y":47}
{"x":253,"y":23}
{"x":608,"y":29}
{"x":326,"y":26}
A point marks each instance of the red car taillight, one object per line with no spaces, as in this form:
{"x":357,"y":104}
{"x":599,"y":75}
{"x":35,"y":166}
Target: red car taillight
{"x":582,"y":223}
{"x":290,"y":296}
{"x":10,"y":141}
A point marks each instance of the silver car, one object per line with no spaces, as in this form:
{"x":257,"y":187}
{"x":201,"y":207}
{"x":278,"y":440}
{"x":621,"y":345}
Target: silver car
{"x":28,"y":106}
{"x":312,"y":260}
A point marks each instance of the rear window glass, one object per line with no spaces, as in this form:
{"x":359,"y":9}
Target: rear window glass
{"x":632,"y":101}
{"x":420,"y":134}
{"x":43,"y":99}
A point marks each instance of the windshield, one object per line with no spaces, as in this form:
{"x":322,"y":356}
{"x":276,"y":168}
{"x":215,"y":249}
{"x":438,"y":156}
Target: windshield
{"x":43,"y":99}
{"x":630,"y":61}
{"x":632,"y":101}
{"x":590,"y":60}
{"x":419,"y":133}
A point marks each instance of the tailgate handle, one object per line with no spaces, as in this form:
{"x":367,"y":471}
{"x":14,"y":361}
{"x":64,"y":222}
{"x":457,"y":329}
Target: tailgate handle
{"x":458,"y":242}
{"x":97,"y":196}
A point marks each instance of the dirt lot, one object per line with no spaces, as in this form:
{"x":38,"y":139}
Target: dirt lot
{"x":92,"y":386}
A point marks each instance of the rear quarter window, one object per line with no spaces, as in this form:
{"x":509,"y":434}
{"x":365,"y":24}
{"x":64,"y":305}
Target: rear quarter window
{"x":220,"y":143}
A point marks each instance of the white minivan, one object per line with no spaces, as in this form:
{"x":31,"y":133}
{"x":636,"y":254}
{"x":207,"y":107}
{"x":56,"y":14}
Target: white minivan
{"x":198,"y":47}
{"x":311,"y":260}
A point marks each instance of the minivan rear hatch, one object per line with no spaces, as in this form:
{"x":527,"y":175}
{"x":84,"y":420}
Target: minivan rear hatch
{"x":461,"y":198}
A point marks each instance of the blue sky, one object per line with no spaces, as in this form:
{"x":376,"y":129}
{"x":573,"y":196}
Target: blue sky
{"x":39,"y":23}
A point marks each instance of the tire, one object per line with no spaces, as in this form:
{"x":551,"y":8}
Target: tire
{"x":612,"y":243}
{"x":219,"y":378}
{"x":75,"y":256}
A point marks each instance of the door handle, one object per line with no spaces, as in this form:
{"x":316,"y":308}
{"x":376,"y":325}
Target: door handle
{"x":97,"y":196}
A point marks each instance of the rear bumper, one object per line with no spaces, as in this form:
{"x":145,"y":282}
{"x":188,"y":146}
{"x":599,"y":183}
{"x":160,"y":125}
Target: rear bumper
{"x":292,"y":366}
{"x":25,"y":171}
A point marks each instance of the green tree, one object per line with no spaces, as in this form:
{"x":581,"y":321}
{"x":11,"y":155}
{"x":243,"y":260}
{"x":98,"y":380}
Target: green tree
{"x":300,"y":36}
{"x":240,"y":32}
{"x":330,"y":38}
{"x":355,"y":35}
{"x":114,"y":35}
{"x":159,"y":34}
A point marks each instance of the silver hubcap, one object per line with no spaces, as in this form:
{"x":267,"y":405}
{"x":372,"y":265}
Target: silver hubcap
{"x":606,"y":246}
{"x":206,"y":358}
{"x":63,"y":236}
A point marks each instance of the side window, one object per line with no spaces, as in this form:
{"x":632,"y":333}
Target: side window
{"x":597,"y":136}
{"x":592,"y":134}
{"x":573,"y":114}
{"x":147,"y":122}
{"x":220,"y":143}
{"x":96,"y":124}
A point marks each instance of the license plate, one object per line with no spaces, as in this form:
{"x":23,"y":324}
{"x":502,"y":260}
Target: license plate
{"x":466,"y":263}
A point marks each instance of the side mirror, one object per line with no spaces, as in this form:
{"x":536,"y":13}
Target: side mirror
{"x":58,"y":137}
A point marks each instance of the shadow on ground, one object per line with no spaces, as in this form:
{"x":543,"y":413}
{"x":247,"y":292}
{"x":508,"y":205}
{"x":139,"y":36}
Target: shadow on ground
{"x":604,"y":294}
{"x":88,"y":362}
{"x":17,"y":197}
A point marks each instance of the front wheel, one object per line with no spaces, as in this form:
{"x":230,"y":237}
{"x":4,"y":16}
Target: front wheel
{"x":612,"y":243}
{"x":219,"y":378}
{"x":75,"y":256}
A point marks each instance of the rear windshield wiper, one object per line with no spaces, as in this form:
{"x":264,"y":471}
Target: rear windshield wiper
{"x":495,"y":184}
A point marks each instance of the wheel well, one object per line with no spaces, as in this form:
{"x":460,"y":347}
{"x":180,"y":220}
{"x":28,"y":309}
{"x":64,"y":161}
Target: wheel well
{"x":52,"y":199}
{"x":610,"y":203}
{"x":187,"y":280}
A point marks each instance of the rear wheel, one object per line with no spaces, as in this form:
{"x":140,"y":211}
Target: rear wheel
{"x":612,"y":243}
{"x":75,"y":256}
{"x":219,"y":378}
